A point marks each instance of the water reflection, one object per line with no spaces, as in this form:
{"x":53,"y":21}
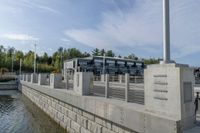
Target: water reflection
{"x":19,"y":115}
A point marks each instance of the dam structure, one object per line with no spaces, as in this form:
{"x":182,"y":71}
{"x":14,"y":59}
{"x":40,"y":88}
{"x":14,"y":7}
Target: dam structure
{"x":162,"y":103}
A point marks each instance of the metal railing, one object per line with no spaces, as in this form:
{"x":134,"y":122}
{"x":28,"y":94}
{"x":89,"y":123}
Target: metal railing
{"x":128,"y":90}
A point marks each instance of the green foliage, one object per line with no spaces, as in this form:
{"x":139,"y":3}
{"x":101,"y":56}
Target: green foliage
{"x":54,"y":63}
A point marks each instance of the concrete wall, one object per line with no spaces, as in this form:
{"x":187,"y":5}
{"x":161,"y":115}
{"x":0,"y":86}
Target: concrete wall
{"x":88,"y":114}
{"x":169,"y":92}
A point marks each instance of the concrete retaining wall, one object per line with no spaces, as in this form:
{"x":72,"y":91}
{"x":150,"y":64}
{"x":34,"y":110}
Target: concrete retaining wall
{"x":85,"y":114}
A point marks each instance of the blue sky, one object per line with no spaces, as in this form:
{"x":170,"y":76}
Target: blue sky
{"x":125,"y":26}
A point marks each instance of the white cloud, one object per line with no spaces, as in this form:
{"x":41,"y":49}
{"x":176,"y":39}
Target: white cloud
{"x":20,"y":37}
{"x":65,"y":40}
{"x":39,"y":5}
{"x":141,"y":26}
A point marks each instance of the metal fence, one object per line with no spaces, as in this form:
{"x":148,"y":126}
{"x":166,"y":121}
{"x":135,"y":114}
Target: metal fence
{"x":130,"y":89}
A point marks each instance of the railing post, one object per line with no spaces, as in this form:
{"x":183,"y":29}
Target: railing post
{"x":127,"y":78}
{"x":107,"y":86}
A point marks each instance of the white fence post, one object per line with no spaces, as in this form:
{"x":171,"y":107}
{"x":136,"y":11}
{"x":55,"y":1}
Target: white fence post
{"x":107,"y":86}
{"x":127,"y":79}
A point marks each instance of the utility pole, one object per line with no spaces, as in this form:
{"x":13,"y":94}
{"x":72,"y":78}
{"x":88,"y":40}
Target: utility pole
{"x":35,"y":59}
{"x":12,"y":60}
{"x":104,"y":62}
{"x":166,"y":32}
{"x":20,"y":67}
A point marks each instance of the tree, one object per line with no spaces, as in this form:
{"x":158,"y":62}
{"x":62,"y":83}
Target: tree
{"x":132,"y":57}
{"x":110,"y":53}
{"x":96,"y":52}
{"x":102,"y":52}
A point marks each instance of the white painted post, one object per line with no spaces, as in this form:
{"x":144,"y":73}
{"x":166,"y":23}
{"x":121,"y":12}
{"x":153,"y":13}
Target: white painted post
{"x":127,"y":78}
{"x":107,"y":86}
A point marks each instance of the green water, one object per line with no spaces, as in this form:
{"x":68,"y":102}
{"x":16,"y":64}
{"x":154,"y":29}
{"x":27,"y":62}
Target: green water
{"x":19,"y":115}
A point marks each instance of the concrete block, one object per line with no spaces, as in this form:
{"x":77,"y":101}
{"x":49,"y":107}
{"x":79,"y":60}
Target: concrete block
{"x":100,"y":121}
{"x":155,"y":124}
{"x":75,"y":126}
{"x":72,"y":115}
{"x":88,"y":115}
{"x":62,"y":124}
{"x":76,"y":110}
{"x":67,"y":121}
{"x":106,"y":130}
{"x":83,"y":130}
{"x":94,"y":128}
{"x":82,"y":121}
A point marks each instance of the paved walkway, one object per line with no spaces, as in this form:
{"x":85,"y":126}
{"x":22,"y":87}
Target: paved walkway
{"x":195,"y":129}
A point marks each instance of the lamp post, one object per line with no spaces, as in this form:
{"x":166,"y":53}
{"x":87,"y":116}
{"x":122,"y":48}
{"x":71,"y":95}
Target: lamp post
{"x":35,"y":59}
{"x":166,"y":32}
{"x":20,"y":66}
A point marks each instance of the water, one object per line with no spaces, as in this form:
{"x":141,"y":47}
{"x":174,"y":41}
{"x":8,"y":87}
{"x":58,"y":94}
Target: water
{"x":19,"y":115}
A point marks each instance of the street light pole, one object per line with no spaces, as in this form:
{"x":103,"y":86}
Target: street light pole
{"x":12,"y":61}
{"x":166,"y":32}
{"x":20,"y":67}
{"x":35,"y":59}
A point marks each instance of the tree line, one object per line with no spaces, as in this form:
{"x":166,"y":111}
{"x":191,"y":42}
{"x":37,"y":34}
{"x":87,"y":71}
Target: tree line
{"x":10,"y":59}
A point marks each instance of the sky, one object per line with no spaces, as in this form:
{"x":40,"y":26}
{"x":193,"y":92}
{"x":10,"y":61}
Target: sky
{"x":124,"y":26}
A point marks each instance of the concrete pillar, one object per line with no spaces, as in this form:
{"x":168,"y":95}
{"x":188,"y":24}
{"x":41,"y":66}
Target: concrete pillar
{"x":55,"y":80}
{"x":42,"y":79}
{"x":107,"y":86}
{"x":102,"y":77}
{"x":28,"y":77}
{"x":127,"y":80}
{"x":67,"y":80}
{"x":34,"y":78}
{"x":83,"y":83}
{"x":169,"y":93}
{"x":120,"y":78}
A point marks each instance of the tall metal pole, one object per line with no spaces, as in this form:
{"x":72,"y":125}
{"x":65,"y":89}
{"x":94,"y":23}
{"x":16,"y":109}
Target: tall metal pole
{"x":104,"y":62}
{"x":166,"y":31}
{"x":35,"y":60}
{"x":20,"y":67}
{"x":12,"y":61}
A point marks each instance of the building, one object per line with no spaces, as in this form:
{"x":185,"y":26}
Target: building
{"x":100,"y":65}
